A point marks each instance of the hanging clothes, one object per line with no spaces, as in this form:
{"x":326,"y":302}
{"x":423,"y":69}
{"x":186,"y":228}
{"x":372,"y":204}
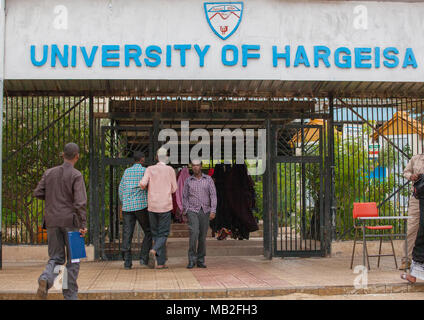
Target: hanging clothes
{"x":182,"y":176}
{"x":222,"y":222}
{"x":175,"y":214}
{"x":240,"y":195}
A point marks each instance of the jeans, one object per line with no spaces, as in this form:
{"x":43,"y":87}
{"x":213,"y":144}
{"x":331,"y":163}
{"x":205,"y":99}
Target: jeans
{"x":160,"y":224}
{"x":142,"y":216}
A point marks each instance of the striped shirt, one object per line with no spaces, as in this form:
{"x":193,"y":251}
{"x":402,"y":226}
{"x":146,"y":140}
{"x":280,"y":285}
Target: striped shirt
{"x":130,"y":194}
{"x":199,"y":193}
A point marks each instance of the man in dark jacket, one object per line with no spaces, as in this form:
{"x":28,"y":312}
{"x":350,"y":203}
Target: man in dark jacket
{"x":63,"y":190}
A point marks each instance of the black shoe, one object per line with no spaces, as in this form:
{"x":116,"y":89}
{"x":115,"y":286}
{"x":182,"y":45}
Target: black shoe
{"x":190,"y":265}
{"x":201,"y":265}
{"x":143,"y":264}
{"x":42,"y":289}
{"x":128,"y":263}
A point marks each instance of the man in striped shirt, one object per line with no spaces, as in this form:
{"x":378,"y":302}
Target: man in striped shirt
{"x":199,"y":203}
{"x":134,"y":207}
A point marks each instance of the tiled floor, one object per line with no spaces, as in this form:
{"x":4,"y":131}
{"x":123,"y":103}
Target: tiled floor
{"x":229,"y":273}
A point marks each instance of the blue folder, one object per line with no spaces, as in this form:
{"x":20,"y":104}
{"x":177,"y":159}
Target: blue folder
{"x":76,"y":245}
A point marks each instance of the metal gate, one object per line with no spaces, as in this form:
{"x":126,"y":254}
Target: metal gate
{"x":118,"y":144}
{"x":298,"y":186}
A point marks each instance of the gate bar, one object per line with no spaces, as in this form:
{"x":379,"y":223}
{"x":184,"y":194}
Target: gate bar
{"x":330,"y":213}
{"x":92,"y":178}
{"x":267,"y":193}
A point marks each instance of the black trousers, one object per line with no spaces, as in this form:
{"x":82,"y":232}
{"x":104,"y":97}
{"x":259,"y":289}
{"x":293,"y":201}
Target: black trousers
{"x":142,"y":216}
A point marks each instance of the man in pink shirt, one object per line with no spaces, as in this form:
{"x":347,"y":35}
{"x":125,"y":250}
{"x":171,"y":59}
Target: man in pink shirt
{"x":161,"y":183}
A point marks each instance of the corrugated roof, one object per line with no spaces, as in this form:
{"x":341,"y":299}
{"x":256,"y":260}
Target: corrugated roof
{"x":310,"y":134}
{"x":401,"y":123}
{"x":264,"y":88}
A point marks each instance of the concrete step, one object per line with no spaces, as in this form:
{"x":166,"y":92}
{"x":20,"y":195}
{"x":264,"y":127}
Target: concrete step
{"x":181,"y":230}
{"x":186,"y":234}
{"x":178,"y":247}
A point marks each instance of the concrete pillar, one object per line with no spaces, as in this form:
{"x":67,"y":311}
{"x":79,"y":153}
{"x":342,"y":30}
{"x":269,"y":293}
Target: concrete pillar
{"x":2,"y":38}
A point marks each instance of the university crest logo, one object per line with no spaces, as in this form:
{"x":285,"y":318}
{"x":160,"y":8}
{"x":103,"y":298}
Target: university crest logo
{"x":223,"y":17}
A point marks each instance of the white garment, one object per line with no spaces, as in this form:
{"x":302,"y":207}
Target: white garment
{"x":61,"y":281}
{"x":417,"y":270}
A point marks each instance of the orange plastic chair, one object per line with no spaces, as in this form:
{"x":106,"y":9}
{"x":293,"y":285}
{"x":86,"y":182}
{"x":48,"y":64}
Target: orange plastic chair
{"x":369,"y":209}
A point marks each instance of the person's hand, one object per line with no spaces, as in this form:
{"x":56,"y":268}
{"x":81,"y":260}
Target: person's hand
{"x":120,"y":212}
{"x":212,"y":216}
{"x":414,"y":177}
{"x":83,"y":232}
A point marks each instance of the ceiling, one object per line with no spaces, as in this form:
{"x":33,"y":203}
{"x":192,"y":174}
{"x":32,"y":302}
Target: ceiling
{"x":234,"y":88}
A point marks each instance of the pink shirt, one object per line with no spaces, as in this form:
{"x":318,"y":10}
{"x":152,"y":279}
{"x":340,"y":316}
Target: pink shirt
{"x":161,"y":183}
{"x":181,"y":180}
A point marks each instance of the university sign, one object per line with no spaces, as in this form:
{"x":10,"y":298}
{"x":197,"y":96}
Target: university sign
{"x":223,"y":19}
{"x":214,"y":40}
{"x":129,"y":55}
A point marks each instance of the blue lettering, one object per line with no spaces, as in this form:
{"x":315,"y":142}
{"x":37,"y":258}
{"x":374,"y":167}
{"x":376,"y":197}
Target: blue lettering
{"x":246,"y":55}
{"x":324,"y":56}
{"x":130,"y":54}
{"x":276,"y":56}
{"x":151,"y":54}
{"x":347,"y":59}
{"x":182,"y":48}
{"x":106,"y":55}
{"x":89,"y":60}
{"x":168,"y":55}
{"x":74,"y":56}
{"x":388,"y":56}
{"x":301,"y":57}
{"x":409,"y":59}
{"x":201,"y":53}
{"x":63,"y":58}
{"x":43,"y":60}
{"x":359,"y":57}
{"x":377,"y":57}
{"x":224,"y":51}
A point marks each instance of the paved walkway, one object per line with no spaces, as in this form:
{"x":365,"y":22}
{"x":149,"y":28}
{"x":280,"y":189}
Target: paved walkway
{"x":227,"y":277}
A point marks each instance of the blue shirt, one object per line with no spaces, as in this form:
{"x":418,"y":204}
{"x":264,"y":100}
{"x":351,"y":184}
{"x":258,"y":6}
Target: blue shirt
{"x":130,"y":193}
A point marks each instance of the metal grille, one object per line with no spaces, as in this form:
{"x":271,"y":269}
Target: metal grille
{"x":118,"y":146}
{"x":35,"y":132}
{"x":299,"y":190}
{"x":374,"y":140}
{"x":365,"y":145}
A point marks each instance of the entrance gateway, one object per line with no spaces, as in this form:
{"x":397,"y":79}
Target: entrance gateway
{"x":135,"y":68}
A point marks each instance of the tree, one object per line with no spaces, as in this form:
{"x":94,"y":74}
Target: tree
{"x":35,"y":132}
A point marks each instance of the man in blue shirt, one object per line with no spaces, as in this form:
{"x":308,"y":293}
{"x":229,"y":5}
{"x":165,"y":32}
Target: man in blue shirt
{"x":134,"y":207}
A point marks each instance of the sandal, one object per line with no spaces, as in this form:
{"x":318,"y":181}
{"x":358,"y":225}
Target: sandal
{"x":162,"y":267}
{"x":152,"y":263}
{"x":404,"y":276}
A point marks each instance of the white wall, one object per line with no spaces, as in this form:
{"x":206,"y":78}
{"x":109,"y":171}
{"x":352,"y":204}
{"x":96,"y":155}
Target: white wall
{"x":2,"y":40}
{"x":264,"y":22}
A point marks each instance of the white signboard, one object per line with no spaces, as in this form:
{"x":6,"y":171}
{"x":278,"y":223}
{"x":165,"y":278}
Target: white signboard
{"x":192,"y":39}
